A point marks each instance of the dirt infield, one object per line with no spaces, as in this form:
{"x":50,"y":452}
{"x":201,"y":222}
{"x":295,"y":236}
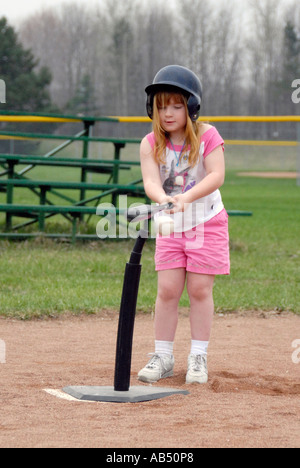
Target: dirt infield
{"x":252,"y":398}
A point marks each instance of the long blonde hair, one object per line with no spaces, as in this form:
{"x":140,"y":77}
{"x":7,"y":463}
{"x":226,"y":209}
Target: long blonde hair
{"x":192,"y":130}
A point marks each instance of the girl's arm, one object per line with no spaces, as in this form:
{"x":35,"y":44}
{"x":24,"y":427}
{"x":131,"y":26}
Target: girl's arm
{"x":151,"y":175}
{"x":214,"y":165}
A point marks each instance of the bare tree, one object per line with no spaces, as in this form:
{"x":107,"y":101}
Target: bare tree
{"x":264,"y":45}
{"x":117,"y":47}
{"x":228,"y":65}
{"x":67,"y":40}
{"x":196,"y":32}
{"x":40,"y":32}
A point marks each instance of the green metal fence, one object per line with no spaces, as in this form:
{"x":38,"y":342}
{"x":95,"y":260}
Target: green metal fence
{"x":17,"y":169}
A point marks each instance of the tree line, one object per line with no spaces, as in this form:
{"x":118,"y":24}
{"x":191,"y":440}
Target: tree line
{"x":97,"y":60}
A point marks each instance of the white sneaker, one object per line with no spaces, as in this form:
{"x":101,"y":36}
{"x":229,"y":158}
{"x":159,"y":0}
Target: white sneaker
{"x":197,"y":369}
{"x":159,"y":367}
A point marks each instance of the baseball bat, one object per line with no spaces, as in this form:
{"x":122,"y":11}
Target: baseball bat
{"x":144,"y":212}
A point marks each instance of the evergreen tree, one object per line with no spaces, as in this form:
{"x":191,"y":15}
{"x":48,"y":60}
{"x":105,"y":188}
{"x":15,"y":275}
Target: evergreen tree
{"x":290,"y":69}
{"x":291,"y":51}
{"x":84,"y":99}
{"x":26,"y":88}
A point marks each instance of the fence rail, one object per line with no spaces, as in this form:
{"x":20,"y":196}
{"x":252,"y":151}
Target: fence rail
{"x":12,"y":176}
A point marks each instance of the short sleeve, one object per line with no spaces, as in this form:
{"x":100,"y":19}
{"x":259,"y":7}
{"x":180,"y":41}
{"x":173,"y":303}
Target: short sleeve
{"x":211,"y":140}
{"x":151,"y":138}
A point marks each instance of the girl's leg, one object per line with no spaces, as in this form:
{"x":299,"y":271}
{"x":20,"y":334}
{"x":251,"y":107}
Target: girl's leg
{"x":200,"y":291}
{"x":170,"y":288}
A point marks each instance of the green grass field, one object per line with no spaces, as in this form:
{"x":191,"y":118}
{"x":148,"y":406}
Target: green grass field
{"x":44,"y":278}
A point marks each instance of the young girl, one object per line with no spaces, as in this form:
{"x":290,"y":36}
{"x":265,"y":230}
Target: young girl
{"x":182,"y":162}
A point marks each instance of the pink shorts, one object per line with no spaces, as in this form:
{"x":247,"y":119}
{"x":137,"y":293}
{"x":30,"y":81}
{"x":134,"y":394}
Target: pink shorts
{"x":203,"y":250}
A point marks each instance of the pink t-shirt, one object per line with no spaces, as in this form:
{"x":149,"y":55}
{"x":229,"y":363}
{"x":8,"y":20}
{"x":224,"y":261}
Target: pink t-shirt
{"x":177,"y":177}
{"x":210,"y":140}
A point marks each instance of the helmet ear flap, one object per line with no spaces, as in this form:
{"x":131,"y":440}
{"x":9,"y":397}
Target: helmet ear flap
{"x":194,"y":106}
{"x":149,"y":105}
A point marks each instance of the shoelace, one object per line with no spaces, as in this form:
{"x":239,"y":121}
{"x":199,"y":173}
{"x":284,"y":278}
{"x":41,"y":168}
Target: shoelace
{"x":154,"y":361}
{"x":196,"y":362}
{"x":157,"y":362}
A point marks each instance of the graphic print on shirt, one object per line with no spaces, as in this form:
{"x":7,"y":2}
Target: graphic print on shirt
{"x":179,"y":181}
{"x":176,"y":182}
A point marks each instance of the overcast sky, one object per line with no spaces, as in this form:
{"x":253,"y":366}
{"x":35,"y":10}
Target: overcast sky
{"x":16,"y":10}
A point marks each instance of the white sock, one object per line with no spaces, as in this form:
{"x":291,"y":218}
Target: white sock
{"x":199,"y":347}
{"x":164,"y":347}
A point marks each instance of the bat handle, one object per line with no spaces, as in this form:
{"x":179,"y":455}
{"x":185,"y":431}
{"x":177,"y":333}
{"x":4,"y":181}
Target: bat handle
{"x":170,"y":205}
{"x":165,"y":207}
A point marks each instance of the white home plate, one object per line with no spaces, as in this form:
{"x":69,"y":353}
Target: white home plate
{"x":62,"y":395}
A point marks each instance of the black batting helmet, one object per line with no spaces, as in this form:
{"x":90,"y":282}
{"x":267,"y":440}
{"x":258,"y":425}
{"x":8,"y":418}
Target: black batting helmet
{"x":176,"y":78}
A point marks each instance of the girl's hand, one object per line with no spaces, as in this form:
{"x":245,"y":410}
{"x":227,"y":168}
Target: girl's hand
{"x":165,"y":199}
{"x":178,"y":202}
